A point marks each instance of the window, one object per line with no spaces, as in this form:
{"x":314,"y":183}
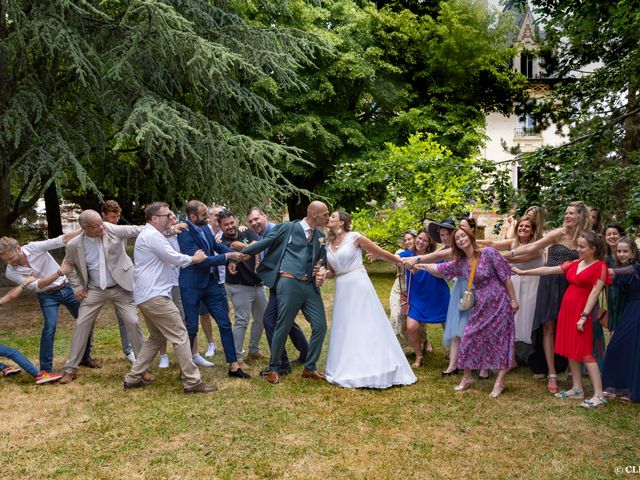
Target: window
{"x":527,"y":64}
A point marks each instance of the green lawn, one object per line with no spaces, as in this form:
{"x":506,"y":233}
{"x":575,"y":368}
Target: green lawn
{"x":297,"y":429}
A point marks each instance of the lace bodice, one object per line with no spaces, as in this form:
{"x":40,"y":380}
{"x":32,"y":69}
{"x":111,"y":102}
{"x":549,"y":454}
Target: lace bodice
{"x":347,"y":257}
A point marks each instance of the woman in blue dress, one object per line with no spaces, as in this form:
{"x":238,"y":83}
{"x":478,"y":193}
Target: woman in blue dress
{"x":428,"y":296}
{"x":621,"y":372}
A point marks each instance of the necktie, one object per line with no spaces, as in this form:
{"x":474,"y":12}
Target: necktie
{"x":309,"y":234}
{"x":103,"y":264}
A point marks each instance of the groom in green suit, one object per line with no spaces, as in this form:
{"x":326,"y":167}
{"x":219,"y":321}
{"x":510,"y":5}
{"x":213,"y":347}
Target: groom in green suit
{"x":294,"y":249}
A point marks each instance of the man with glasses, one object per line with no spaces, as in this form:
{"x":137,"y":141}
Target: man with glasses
{"x":200,"y":283}
{"x":34,"y":259}
{"x":106,"y":275}
{"x":156,"y":263}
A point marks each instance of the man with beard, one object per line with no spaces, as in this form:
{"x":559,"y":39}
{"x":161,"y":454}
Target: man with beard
{"x":200,"y":282}
{"x":245,"y":288}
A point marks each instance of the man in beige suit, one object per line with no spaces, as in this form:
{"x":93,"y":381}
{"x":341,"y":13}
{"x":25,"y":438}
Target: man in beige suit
{"x":106,"y":274}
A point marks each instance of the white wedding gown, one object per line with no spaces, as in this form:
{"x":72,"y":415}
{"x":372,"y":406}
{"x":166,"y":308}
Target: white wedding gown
{"x":363,"y":349}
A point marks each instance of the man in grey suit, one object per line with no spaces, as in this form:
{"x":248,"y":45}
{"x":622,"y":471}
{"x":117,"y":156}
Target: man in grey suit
{"x":294,"y":249}
{"x":106,"y":274}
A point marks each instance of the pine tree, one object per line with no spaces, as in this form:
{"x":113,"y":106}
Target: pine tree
{"x":143,"y":99}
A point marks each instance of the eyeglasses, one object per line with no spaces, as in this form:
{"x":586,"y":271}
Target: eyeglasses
{"x":163,"y":215}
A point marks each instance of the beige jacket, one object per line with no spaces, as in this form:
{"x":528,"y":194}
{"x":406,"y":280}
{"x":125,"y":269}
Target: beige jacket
{"x":119,"y":263}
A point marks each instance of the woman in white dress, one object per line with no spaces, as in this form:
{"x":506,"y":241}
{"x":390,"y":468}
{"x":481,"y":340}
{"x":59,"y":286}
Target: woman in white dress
{"x":363,"y":348}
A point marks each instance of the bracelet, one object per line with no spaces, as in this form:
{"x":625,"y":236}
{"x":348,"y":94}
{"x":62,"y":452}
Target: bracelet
{"x":22,"y":286}
{"x":513,"y":253}
{"x":60,"y":274}
{"x":584,"y":315}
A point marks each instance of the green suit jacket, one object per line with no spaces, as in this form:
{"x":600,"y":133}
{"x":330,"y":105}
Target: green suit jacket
{"x":277,"y":242}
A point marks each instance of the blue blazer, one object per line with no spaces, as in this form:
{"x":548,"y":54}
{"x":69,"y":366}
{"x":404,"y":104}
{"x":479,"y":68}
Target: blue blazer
{"x":198,"y":276}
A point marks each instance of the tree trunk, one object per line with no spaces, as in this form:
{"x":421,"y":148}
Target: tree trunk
{"x":52,"y":205}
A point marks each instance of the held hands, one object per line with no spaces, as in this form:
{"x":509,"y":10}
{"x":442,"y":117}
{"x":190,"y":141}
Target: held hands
{"x":517,"y":271}
{"x":320,"y":275}
{"x":198,"y":257}
{"x":232,"y":268}
{"x":409,"y":262}
{"x":236,"y":256}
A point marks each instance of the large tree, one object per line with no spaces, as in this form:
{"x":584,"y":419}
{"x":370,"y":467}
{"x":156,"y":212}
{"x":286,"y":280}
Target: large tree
{"x":142,"y":100}
{"x":595,"y":47}
{"x":394,"y":69}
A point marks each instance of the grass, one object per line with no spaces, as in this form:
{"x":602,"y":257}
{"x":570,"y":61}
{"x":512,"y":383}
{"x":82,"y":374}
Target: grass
{"x":299,"y":429}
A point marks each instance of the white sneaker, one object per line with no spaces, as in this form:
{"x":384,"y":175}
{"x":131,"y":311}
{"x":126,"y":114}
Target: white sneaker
{"x":201,"y":362}
{"x":164,"y":361}
{"x":131,"y":357}
{"x":211,"y":350}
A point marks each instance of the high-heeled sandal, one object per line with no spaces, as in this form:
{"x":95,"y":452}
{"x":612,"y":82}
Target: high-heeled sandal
{"x":452,"y":372}
{"x":497,"y":390}
{"x":552,"y":388}
{"x":464,"y":384}
{"x":418,"y":362}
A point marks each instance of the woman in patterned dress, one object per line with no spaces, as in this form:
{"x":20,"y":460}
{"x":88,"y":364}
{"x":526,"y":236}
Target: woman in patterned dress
{"x":488,"y":339}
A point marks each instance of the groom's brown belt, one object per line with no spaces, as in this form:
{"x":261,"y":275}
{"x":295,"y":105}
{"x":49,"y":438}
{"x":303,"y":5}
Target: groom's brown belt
{"x":288,"y":275}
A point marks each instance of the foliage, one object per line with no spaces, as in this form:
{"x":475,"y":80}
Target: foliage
{"x":596,"y":51}
{"x":141,"y":100}
{"x":393,"y":70}
{"x":421,"y":180}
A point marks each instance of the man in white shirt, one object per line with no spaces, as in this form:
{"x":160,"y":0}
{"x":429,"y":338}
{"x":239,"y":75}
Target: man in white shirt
{"x":34,"y":259}
{"x":155,"y":260}
{"x":106,"y":275}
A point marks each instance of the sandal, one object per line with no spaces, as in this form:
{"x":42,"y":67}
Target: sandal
{"x":465,"y":383}
{"x":418,"y":362}
{"x":594,"y":402}
{"x":497,"y":390}
{"x":625,"y":399}
{"x":573,"y":393}
{"x":552,"y":388}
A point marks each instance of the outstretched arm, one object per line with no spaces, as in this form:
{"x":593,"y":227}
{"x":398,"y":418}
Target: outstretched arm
{"x":551,"y":238}
{"x":442,"y":254}
{"x":497,"y":244}
{"x":431,"y":268}
{"x":542,"y":271}
{"x":366,"y":244}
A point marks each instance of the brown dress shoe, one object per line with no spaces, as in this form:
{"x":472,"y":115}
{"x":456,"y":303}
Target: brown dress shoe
{"x":90,"y":363}
{"x":273,"y":377}
{"x":129,"y":386}
{"x":148,"y":377}
{"x":315,"y":375}
{"x":256,"y":356}
{"x":201,"y":388}
{"x":68,"y":378}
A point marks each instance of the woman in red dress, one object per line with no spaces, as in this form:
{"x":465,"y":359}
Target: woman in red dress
{"x":574,"y":335}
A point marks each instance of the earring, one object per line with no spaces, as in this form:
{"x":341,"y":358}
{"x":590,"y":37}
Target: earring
{"x":339,"y":231}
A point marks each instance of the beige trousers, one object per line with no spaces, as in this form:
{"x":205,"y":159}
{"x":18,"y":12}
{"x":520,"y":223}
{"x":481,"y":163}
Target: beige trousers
{"x":90,"y":308}
{"x":163,"y":321}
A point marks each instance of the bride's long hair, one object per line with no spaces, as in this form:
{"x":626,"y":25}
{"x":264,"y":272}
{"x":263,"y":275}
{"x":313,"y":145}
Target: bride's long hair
{"x":346,"y":226}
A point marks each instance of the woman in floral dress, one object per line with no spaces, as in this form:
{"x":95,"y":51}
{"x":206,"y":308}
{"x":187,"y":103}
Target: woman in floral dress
{"x":488,"y":339}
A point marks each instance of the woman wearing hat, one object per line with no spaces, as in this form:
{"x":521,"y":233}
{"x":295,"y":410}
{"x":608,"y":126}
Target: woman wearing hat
{"x":427,"y":296}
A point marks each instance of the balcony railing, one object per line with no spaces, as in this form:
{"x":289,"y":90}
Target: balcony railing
{"x":526,"y":132}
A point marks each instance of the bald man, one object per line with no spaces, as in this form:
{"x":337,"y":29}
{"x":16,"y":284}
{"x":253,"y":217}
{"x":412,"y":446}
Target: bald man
{"x":106,"y":275}
{"x":294,"y":248}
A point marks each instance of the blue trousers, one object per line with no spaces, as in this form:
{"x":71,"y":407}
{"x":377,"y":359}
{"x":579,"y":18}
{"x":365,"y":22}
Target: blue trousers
{"x":17,"y":356}
{"x":214,"y":297}
{"x":50,"y":304}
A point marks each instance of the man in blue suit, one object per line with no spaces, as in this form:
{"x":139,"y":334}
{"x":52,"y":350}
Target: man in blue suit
{"x":294,"y":249}
{"x":199,"y":283}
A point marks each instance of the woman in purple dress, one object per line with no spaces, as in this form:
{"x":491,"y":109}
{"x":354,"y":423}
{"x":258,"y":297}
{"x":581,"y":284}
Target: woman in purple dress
{"x":489,"y":336}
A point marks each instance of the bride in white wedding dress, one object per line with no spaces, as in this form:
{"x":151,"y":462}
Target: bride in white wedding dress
{"x":363,"y":349}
